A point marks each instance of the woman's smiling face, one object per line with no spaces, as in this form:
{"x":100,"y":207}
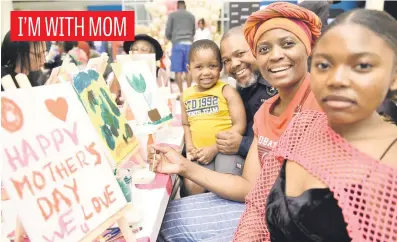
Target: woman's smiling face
{"x":281,"y":58}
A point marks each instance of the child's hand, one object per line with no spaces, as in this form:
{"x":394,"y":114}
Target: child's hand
{"x":191,"y":153}
{"x":206,"y":155}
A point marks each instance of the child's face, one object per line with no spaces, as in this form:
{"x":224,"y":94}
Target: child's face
{"x":205,"y":68}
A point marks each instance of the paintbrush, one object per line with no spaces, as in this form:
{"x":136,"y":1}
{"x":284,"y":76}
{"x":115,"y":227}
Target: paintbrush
{"x":154,"y":159}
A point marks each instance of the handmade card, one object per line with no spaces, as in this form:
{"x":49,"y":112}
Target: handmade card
{"x":67,"y":72}
{"x":150,"y":60}
{"x":140,"y":90}
{"x":54,"y":167}
{"x":98,"y":64}
{"x":106,"y":117}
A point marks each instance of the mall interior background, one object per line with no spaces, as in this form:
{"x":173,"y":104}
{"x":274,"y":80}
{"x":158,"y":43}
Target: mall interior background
{"x":151,"y":15}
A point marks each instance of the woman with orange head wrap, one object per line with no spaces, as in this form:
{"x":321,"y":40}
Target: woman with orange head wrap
{"x":281,"y":37}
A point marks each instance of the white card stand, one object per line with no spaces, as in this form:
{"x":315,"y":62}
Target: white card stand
{"x":23,"y":81}
{"x":119,"y":217}
{"x":8,"y":83}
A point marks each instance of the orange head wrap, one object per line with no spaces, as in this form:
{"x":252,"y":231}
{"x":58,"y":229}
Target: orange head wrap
{"x":281,"y":15}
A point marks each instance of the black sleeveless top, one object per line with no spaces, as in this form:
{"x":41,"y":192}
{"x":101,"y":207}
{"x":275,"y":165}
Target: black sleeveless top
{"x":314,"y":216}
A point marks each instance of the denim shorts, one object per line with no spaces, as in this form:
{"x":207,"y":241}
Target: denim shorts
{"x":179,"y":57}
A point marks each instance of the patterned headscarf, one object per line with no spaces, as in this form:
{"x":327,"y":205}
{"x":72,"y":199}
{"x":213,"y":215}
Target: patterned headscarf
{"x":281,"y":15}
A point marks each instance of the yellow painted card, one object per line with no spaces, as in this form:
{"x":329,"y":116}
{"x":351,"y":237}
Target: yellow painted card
{"x":106,"y":117}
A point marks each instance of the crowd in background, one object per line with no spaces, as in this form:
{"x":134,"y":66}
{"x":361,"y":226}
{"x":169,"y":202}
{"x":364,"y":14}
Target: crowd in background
{"x":283,"y":121}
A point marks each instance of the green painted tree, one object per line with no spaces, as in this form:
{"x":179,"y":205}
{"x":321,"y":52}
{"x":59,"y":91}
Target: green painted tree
{"x":111,"y":103}
{"x":139,"y":85}
{"x":92,"y":100}
{"x":128,"y":133}
{"x":111,"y":124}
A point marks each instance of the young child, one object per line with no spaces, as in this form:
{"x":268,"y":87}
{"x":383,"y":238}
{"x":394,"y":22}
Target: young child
{"x":208,"y":108}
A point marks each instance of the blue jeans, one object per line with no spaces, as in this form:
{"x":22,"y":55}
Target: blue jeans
{"x":203,"y":217}
{"x":179,"y":57}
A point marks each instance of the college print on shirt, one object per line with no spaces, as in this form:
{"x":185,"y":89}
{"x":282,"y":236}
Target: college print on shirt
{"x":202,"y":106}
{"x":265,"y":145}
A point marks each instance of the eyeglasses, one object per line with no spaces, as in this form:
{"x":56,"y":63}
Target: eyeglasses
{"x":142,"y":49}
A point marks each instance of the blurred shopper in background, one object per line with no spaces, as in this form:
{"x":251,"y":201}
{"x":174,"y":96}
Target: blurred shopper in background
{"x":22,"y":57}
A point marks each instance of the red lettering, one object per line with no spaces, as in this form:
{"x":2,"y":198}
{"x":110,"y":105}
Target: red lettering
{"x":74,"y":190}
{"x":86,"y":217}
{"x":50,"y":168}
{"x":108,"y":194}
{"x":81,"y":159}
{"x":58,"y":197}
{"x":46,"y":213}
{"x":38,"y":180}
{"x":61,"y":169}
{"x":19,"y":186}
{"x":97,"y":204}
{"x":92,"y":151}
{"x":71,"y":167}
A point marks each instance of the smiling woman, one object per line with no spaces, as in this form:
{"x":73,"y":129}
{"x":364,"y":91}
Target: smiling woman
{"x":281,"y":37}
{"x":338,"y":171}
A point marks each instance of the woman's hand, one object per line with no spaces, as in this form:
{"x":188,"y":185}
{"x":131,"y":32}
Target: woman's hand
{"x":166,"y":160}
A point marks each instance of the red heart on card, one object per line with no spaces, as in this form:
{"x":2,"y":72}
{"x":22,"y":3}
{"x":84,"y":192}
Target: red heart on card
{"x":58,"y":108}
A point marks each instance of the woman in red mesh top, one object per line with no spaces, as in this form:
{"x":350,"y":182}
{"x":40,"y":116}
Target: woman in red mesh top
{"x":338,"y":178}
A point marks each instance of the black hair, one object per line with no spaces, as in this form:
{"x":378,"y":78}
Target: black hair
{"x":13,"y":52}
{"x":205,"y":44}
{"x":379,"y":22}
{"x":69,"y":45}
{"x":91,"y":44}
{"x":202,"y":21}
{"x":181,"y":4}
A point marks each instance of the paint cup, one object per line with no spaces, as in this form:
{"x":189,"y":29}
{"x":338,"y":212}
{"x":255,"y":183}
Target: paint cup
{"x":124,"y":179}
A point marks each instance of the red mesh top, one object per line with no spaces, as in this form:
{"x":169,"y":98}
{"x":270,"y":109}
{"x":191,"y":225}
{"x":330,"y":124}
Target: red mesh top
{"x":365,"y":189}
{"x":268,"y":127}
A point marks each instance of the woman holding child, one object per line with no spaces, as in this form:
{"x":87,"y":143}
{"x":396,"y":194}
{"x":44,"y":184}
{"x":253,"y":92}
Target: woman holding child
{"x":281,"y":37}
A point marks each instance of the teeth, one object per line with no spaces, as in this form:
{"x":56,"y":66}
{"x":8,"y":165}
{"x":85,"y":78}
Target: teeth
{"x":240,"y":72}
{"x":280,"y":69}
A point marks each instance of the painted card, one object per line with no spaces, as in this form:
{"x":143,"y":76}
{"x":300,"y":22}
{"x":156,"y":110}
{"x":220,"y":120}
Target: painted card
{"x":98,"y":64}
{"x":67,"y":72}
{"x":141,"y":93}
{"x":150,"y":60}
{"x":54,"y":168}
{"x":105,"y":115}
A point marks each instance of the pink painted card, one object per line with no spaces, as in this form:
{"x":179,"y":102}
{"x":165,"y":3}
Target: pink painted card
{"x":54,"y":167}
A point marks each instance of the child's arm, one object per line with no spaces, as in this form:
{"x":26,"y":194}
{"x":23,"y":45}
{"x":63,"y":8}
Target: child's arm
{"x":186,"y":129}
{"x":236,"y":109}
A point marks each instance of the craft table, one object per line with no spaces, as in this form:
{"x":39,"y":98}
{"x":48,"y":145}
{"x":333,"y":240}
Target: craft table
{"x":154,"y":197}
